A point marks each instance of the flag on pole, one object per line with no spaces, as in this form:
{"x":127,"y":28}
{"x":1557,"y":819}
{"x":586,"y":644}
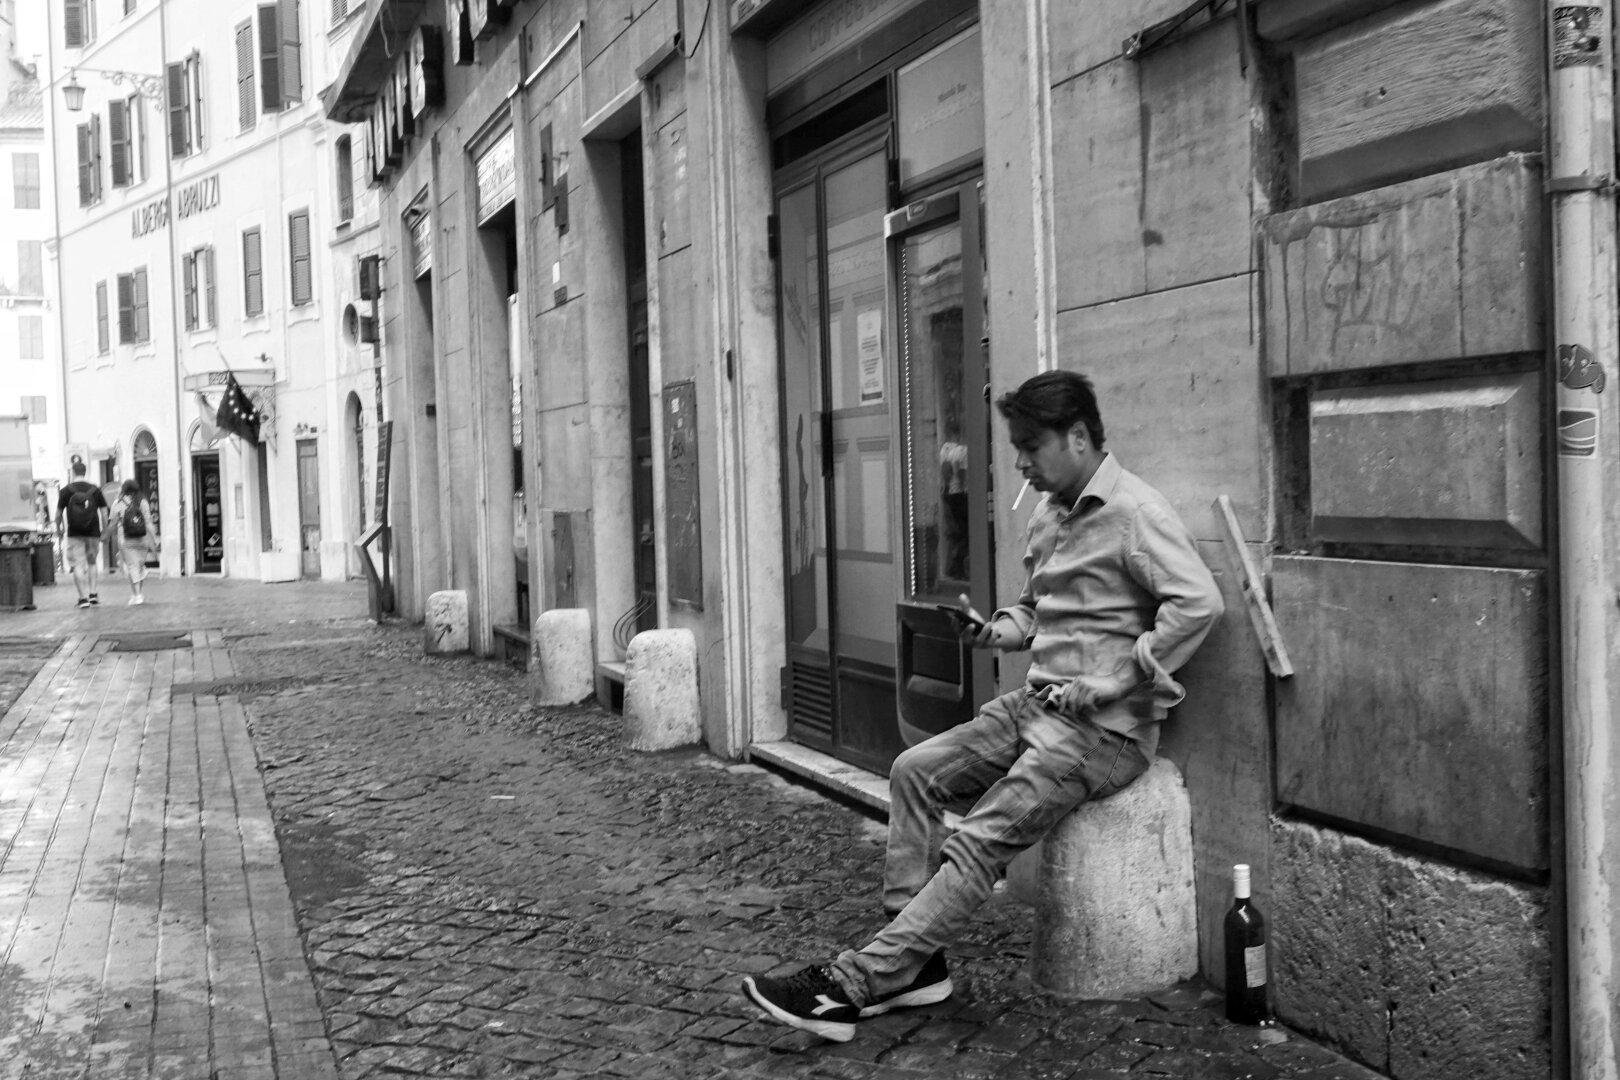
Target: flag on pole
{"x":236,"y":414}
{"x":206,"y":431}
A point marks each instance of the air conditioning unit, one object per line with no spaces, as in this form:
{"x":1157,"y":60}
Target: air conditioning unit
{"x":370,"y":277}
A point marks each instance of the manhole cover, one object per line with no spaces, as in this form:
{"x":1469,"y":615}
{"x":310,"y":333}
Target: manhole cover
{"x":149,"y":641}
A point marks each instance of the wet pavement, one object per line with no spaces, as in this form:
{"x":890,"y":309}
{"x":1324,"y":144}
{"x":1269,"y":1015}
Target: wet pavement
{"x":286,"y":844}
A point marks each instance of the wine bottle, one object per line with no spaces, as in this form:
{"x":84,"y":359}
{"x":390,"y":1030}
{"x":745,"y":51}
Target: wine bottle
{"x":1245,"y":955}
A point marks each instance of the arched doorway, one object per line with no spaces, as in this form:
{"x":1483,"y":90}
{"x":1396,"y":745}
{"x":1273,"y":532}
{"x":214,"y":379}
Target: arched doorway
{"x":144,"y":451}
{"x":354,"y":423}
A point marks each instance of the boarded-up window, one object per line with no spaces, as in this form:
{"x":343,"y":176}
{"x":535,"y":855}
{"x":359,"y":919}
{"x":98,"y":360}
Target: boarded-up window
{"x":245,"y":109}
{"x":90,"y":161}
{"x":303,"y":285}
{"x":103,"y":335}
{"x":252,"y":272}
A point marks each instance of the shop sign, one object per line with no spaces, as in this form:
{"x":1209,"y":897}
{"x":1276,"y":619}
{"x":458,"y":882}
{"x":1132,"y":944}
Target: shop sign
{"x":939,"y":100}
{"x":497,"y":175}
{"x":194,"y":198}
{"x":822,"y":32}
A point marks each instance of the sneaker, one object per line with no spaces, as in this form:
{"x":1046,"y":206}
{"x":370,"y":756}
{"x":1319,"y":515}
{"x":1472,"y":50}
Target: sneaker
{"x":141,"y":599}
{"x":134,"y":600}
{"x":94,"y":599}
{"x":809,"y":999}
{"x":931,"y":986}
{"x":84,"y":601}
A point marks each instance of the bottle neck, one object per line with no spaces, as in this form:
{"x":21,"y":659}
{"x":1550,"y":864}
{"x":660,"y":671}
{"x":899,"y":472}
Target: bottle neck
{"x":1240,"y":882}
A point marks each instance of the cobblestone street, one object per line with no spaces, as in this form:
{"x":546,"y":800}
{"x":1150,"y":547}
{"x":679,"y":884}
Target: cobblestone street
{"x":486,"y":889}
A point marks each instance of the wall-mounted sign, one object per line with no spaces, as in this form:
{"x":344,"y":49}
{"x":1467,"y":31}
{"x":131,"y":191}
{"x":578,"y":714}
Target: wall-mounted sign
{"x":940,"y":105}
{"x":427,"y":69}
{"x":193,"y":198}
{"x":497,"y":175}
{"x":822,"y":32}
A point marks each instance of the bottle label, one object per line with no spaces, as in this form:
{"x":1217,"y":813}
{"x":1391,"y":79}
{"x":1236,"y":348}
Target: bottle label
{"x":1254,"y":966}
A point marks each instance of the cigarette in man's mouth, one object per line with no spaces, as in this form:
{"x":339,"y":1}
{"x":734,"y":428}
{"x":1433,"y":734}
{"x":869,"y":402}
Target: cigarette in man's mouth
{"x":1021,"y":493}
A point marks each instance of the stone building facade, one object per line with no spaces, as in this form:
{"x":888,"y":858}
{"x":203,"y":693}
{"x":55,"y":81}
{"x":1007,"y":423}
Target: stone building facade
{"x":691,"y":317}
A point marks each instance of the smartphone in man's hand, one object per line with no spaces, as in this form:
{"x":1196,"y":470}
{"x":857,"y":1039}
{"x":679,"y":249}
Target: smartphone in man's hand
{"x":963,"y":613}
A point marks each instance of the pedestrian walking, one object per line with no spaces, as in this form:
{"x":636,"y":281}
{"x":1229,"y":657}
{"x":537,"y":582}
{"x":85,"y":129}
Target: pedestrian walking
{"x":79,"y":523}
{"x":1115,"y":598}
{"x":130,"y":524}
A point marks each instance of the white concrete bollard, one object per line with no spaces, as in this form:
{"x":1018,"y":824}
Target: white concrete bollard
{"x":1116,"y":914}
{"x":661,"y":691}
{"x":444,"y":623}
{"x":562,"y":665}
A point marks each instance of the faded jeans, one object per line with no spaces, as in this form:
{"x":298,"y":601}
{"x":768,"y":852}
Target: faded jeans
{"x":1028,"y":766}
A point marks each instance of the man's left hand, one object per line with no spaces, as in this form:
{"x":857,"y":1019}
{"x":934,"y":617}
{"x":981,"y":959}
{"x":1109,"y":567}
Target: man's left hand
{"x":1086,"y":693}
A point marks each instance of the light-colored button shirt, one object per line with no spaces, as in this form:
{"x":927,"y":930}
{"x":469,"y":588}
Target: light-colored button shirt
{"x":1114,"y":589}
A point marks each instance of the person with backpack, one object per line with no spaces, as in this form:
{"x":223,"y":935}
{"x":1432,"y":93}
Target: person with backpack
{"x":131,"y":521}
{"x":79,"y":523}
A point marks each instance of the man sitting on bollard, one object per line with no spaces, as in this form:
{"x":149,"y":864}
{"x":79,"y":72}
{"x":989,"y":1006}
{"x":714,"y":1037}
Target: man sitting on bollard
{"x":1115,"y":598}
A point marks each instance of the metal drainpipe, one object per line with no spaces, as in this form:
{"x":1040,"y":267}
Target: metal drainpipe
{"x":1581,"y":197}
{"x":181,"y":448}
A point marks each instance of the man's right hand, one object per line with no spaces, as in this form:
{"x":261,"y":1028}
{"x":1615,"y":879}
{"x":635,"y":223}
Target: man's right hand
{"x":997,"y":634}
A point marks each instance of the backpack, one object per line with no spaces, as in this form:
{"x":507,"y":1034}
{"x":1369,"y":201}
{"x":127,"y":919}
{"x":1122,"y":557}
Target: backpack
{"x":83,"y":520}
{"x":134,"y":521}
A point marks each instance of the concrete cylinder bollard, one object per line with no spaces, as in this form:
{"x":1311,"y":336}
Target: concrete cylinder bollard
{"x":1116,"y":914}
{"x":661,"y":691}
{"x":562,"y":665}
{"x":444,"y":623}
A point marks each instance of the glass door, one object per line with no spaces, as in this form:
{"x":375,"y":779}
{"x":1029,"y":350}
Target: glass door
{"x":945,"y":450}
{"x":840,"y":465}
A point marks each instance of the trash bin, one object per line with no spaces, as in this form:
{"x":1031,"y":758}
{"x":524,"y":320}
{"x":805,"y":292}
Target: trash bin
{"x":16,"y":571}
{"x":44,"y":562}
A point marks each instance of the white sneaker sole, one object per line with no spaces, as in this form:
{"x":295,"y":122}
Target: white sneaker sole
{"x":836,"y":1030}
{"x":911,"y":999}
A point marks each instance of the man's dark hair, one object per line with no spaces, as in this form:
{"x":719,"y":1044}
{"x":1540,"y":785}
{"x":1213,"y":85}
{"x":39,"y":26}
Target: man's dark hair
{"x":1055,"y":401}
{"x":78,"y":467}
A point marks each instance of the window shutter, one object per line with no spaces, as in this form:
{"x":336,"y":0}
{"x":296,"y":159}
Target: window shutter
{"x":244,"y":75}
{"x":126,"y":309}
{"x":118,"y":136}
{"x":199,"y":110}
{"x":345,"y":178}
{"x":136,"y":109}
{"x":298,"y":244}
{"x":85,"y":195}
{"x":269,"y":58}
{"x":73,"y":23}
{"x":179,"y":112}
{"x":95,"y":157}
{"x":143,"y":328}
{"x":103,"y":342}
{"x":210,"y":304}
{"x":252,"y":273}
{"x":340,"y":8}
{"x":188,"y":275}
{"x":292,"y":53}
